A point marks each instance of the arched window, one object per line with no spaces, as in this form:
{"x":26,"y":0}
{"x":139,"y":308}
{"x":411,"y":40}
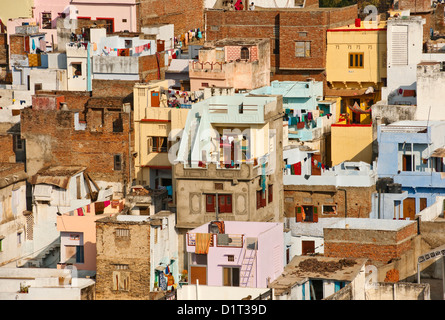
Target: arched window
{"x":244,"y":53}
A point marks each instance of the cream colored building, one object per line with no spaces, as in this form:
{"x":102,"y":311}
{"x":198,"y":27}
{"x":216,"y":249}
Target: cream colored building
{"x":153,"y":122}
{"x":16,"y":9}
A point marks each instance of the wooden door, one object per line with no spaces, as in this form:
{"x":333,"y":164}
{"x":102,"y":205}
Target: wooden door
{"x":409,"y":208}
{"x":155,"y":99}
{"x":422,"y":203}
{"x":316,"y":171}
{"x":210,"y":203}
{"x":307,"y":247}
{"x":198,"y":273}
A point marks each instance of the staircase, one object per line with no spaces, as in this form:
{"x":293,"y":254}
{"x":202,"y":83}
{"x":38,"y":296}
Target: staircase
{"x":47,"y":258}
{"x":248,"y":262}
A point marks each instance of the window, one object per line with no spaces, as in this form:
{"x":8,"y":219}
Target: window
{"x":109,"y":24}
{"x":18,"y":143}
{"x":231,"y":258}
{"x":122,"y":233}
{"x":157,"y":144}
{"x":210,"y":203}
{"x":46,"y":20}
{"x":244,"y":53}
{"x":306,"y":213}
{"x":19,"y":238}
{"x":118,"y":124}
{"x":74,"y":254}
{"x":121,"y":281}
{"x":117,"y":162}
{"x":356,"y":60}
{"x":437,"y":164}
{"x":302,"y":49}
{"x":399,"y":46}
{"x":76,"y":69}
{"x":270,"y":195}
{"x":329,"y":209}
{"x":205,"y":84}
{"x":224,"y":203}
{"x":260,"y":199}
{"x":231,"y":277}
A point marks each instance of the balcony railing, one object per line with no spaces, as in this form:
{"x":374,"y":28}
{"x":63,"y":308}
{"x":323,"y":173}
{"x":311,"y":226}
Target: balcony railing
{"x":219,"y":240}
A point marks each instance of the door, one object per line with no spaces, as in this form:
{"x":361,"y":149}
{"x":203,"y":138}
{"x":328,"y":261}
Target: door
{"x":231,"y":277}
{"x":155,"y":99}
{"x":409,"y":208}
{"x":316,"y":170}
{"x":198,"y":273}
{"x":307,"y":247}
{"x":408,"y":162}
{"x":422,"y":204}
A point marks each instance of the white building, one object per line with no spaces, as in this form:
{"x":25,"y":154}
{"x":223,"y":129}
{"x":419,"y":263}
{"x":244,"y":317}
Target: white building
{"x":404,"y":52}
{"x":56,"y":190}
{"x":14,"y":220}
{"x":44,"y":284}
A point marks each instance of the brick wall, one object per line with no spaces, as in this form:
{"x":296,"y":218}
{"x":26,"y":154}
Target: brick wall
{"x":75,"y":100}
{"x":3,"y":49}
{"x":133,"y":251}
{"x":284,"y":28}
{"x":7,"y":143}
{"x":415,"y":5}
{"x":47,"y":102}
{"x":152,"y":67}
{"x":184,"y":14}
{"x":358,"y":201}
{"x":52,"y":140}
{"x":16,"y":44}
{"x":376,"y":245}
{"x":114,"y":88}
{"x":7,"y":168}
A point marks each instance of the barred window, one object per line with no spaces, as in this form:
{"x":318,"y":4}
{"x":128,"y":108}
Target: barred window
{"x":122,"y":233}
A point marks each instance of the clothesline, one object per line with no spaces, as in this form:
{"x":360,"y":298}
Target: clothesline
{"x":127,"y":51}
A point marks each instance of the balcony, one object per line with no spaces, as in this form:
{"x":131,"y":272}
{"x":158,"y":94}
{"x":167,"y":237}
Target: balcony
{"x":219,"y":240}
{"x":77,"y":49}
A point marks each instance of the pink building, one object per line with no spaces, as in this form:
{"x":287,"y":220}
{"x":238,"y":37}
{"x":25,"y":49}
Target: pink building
{"x":78,"y":233}
{"x":120,"y":15}
{"x":235,"y":253}
{"x":242,"y":64}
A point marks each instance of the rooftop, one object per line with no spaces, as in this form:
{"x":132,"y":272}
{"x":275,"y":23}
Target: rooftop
{"x":56,"y":175}
{"x":370,"y":224}
{"x":302,"y":268}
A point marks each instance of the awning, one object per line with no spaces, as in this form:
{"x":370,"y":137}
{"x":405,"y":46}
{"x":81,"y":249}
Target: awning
{"x":439,"y":153}
{"x":345,"y":92}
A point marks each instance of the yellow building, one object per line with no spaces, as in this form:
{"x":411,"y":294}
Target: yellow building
{"x":154,"y":120}
{"x":356,"y":68}
{"x":15,"y":9}
{"x":355,"y":73}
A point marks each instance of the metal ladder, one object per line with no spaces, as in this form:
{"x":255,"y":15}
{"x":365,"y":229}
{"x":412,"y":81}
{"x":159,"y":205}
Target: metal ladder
{"x":247,"y":264}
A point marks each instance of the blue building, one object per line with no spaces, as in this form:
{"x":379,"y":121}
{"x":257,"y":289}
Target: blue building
{"x":410,"y":168}
{"x":306,"y":111}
